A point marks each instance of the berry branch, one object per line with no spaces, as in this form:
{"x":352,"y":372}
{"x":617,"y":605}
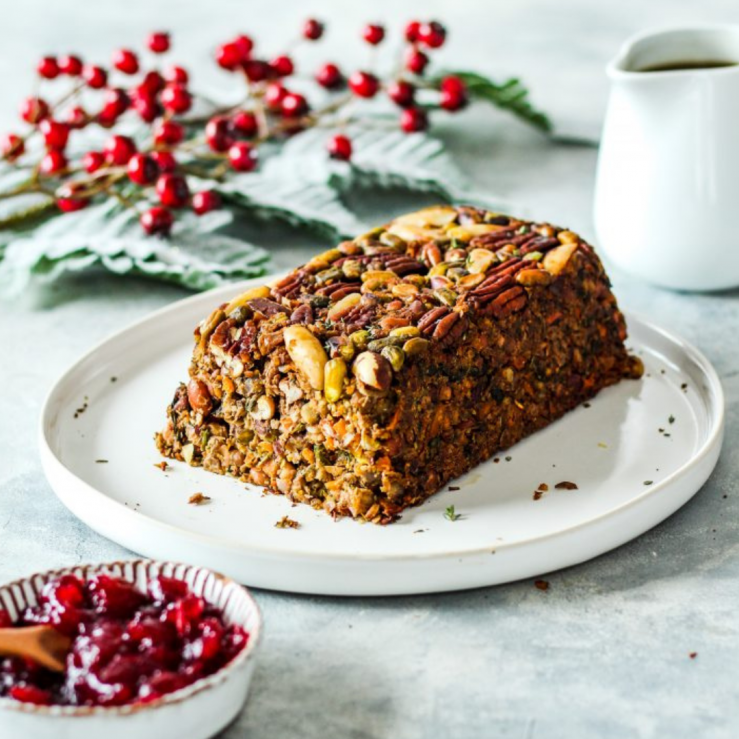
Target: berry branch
{"x":147,"y":170}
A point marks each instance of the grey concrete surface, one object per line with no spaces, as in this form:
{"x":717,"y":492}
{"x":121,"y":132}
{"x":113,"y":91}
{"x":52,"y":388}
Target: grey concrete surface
{"x":605,"y":651}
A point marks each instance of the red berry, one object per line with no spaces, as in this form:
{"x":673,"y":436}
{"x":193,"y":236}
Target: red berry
{"x":158,"y":42}
{"x":93,"y":160}
{"x":48,"y":67}
{"x":364,"y":84}
{"x":294,"y":105}
{"x":243,"y":156}
{"x":117,"y":101}
{"x":218,"y":133}
{"x":313,"y":29}
{"x":147,"y":108}
{"x":168,"y":133}
{"x":414,"y":119}
{"x":274,"y":95}
{"x":142,"y":169}
{"x":432,"y":34}
{"x":228,"y":56}
{"x":165,"y":161}
{"x":176,"y":98}
{"x":176,"y":75}
{"x":204,"y":202}
{"x":95,"y":77}
{"x":157,"y":220}
{"x":172,"y":190}
{"x":119,"y":149}
{"x":54,"y":161}
{"x":245,"y":123}
{"x":244,"y":44}
{"x":70,"y":205}
{"x":416,"y":61}
{"x":401,"y":93}
{"x":411,"y":31}
{"x":282,"y":66}
{"x":30,"y":694}
{"x":70,"y":65}
{"x":256,"y":71}
{"x":34,"y":109}
{"x":12,"y":146}
{"x":152,"y":83}
{"x":373,"y":34}
{"x":55,"y":134}
{"x":330,"y":77}
{"x":126,"y":61}
{"x":77,"y":117}
{"x":453,"y":93}
{"x":340,"y":147}
{"x":107,"y":117}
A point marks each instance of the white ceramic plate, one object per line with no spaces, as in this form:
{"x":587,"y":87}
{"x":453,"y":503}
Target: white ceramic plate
{"x":611,"y":450}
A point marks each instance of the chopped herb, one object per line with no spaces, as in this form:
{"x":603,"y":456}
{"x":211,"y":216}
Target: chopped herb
{"x":541,"y":584}
{"x":287,"y":523}
{"x":198,"y":499}
{"x":101,"y":461}
{"x":419,"y":531}
{"x":496,"y":460}
{"x":508,"y":459}
{"x":450,"y":514}
{"x":586,"y":405}
{"x":204,"y":438}
{"x":648,"y":482}
{"x":453,"y":487}
{"x":114,"y":379}
{"x":671,"y":419}
{"x":662,"y":431}
{"x":684,"y":386}
{"x":566,"y":485}
{"x":602,"y":445}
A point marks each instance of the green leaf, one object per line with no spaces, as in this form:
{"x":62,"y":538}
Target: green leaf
{"x":285,"y":190}
{"x":510,"y":95}
{"x":382,"y":158}
{"x":198,"y":255}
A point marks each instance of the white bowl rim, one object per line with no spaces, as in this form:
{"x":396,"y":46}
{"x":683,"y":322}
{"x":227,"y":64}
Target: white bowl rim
{"x":177,"y":696}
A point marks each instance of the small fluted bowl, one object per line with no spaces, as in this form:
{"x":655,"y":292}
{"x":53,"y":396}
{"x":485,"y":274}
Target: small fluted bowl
{"x":197,"y":711}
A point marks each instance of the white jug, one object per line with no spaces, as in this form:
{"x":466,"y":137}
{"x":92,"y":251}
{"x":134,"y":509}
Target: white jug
{"x":667,"y":188}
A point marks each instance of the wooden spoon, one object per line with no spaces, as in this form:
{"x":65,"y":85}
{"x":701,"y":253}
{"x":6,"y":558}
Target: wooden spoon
{"x":43,"y":644}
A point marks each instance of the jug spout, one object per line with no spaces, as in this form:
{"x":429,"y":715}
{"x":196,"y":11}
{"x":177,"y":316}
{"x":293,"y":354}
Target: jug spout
{"x":653,"y":57}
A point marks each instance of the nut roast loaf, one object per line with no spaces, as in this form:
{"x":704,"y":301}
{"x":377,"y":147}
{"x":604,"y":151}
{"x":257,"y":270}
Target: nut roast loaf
{"x":366,"y":379}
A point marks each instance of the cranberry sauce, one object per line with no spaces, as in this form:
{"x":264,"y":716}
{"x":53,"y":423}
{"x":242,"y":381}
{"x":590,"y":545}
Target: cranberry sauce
{"x":128,"y":646}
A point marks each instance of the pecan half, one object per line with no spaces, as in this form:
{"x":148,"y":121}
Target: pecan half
{"x":431,"y":317}
{"x":510,"y":301}
{"x":445,"y":325}
{"x":302,"y":314}
{"x":267,"y":307}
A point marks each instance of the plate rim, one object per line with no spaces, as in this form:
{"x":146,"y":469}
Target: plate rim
{"x":50,"y":459}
